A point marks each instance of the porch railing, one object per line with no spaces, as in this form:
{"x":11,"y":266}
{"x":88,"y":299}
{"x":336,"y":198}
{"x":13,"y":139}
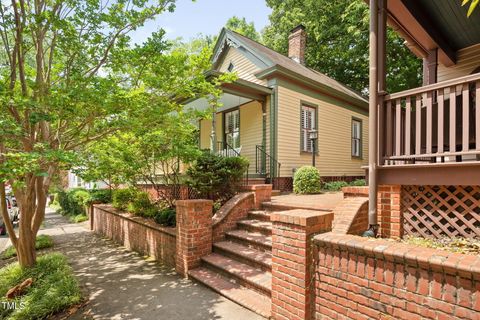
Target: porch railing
{"x":438,"y":123}
{"x":267,"y":165}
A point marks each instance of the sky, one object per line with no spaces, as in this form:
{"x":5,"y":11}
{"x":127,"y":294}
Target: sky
{"x":204,"y":16}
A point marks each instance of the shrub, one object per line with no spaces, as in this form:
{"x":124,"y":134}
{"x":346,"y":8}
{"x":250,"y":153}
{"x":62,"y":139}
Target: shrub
{"x":141,"y":205}
{"x":358,"y":183}
{"x":54,"y":288}
{"x":100,"y":196}
{"x":166,"y":217}
{"x":78,"y":218}
{"x":73,"y":202}
{"x":215,"y":177}
{"x":334,"y":185}
{"x":306,"y":180}
{"x":122,"y":197}
{"x":42,"y":241}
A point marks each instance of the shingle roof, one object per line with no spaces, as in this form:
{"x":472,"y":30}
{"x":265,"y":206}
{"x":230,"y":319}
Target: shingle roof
{"x":287,"y":63}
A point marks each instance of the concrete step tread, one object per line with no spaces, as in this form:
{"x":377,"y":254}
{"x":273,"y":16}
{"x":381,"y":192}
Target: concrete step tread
{"x":248,"y":253}
{"x":245,"y":297}
{"x":256,"y":223}
{"x":253,"y":237}
{"x":250,"y":275}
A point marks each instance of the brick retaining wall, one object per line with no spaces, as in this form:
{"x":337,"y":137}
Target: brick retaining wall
{"x":135,"y":233}
{"x":362,"y":278}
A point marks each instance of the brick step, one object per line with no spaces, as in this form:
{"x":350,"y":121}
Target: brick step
{"x":256,"y":258}
{"x":251,"y":239}
{"x":245,"y":297}
{"x":276,"y":193}
{"x":264,"y":227}
{"x":272,"y":207}
{"x":259,"y":215}
{"x":244,"y":274}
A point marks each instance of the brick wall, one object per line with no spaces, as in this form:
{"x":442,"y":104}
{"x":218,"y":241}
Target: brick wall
{"x":389,"y":211}
{"x":361,"y":278}
{"x":292,"y":261}
{"x":135,"y":233}
{"x":230,"y":213}
{"x":261,"y":192}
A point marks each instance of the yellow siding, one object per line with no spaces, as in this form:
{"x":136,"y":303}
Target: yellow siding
{"x":205,"y":131}
{"x":468,"y":60}
{"x":334,"y":144}
{"x":250,"y":131}
{"x":243,"y":67}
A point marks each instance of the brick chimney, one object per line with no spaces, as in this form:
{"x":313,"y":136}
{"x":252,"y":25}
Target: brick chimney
{"x":297,"y":41}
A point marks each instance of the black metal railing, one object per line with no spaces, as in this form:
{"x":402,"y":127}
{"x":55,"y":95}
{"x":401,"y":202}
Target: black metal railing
{"x":267,"y":165}
{"x":226,"y":150}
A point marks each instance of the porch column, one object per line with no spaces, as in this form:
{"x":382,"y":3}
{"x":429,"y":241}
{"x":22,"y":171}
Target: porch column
{"x":430,"y":64}
{"x":372,"y":122}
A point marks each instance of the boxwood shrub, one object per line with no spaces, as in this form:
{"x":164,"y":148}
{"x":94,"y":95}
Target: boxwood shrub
{"x":307,"y":180}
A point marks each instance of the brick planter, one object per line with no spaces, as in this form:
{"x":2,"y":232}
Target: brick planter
{"x":135,"y":233}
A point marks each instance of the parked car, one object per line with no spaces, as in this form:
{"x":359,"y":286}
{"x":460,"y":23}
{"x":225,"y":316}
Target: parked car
{"x":13,"y":213}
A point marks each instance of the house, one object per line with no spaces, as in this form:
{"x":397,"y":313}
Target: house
{"x":269,"y":112}
{"x":424,"y":163}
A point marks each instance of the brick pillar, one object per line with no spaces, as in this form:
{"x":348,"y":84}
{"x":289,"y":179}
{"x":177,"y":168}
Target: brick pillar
{"x":292,"y":261}
{"x":262,"y":193}
{"x":389,"y":211}
{"x":194,"y":233}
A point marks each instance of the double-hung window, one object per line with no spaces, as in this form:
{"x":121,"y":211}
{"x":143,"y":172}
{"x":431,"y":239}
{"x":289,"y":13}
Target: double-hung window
{"x":356,"y":138}
{"x":232,"y":128}
{"x":308,"y":123}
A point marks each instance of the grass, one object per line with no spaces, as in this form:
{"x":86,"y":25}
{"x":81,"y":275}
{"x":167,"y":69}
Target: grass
{"x":78,"y":218}
{"x":42,"y":242}
{"x":54,"y":288}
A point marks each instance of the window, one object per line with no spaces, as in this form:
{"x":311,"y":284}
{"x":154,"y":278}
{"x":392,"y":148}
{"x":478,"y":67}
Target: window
{"x":308,"y":122}
{"x":230,"y":67}
{"x":232,"y":128}
{"x":356,"y":138}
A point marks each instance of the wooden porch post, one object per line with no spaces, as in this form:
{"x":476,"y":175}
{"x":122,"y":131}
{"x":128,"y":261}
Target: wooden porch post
{"x":373,"y":109}
{"x":213,"y":135}
{"x":430,"y":65}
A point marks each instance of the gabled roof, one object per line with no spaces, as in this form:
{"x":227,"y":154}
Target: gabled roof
{"x":271,"y":62}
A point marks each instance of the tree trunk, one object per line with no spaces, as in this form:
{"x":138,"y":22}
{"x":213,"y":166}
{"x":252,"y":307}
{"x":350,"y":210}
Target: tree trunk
{"x":27,"y":256}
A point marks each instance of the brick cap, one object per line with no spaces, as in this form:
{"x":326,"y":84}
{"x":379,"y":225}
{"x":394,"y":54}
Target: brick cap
{"x":301,"y":217}
{"x":464,"y":265}
{"x":192,"y":201}
{"x":258,"y":187}
{"x":355,"y":191}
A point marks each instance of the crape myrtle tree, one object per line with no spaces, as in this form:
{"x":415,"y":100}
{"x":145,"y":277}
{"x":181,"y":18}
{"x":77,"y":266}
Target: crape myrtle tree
{"x":70,"y":76}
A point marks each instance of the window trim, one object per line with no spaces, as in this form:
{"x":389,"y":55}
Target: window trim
{"x":224,"y":134}
{"x":360,"y":121}
{"x":232,"y":66}
{"x":315,"y":107}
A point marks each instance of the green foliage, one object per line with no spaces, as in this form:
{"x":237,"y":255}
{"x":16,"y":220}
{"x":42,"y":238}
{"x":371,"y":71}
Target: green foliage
{"x":166,"y":217}
{"x":141,"y":205}
{"x":216,"y":177}
{"x":54,"y":288}
{"x":240,"y":25}
{"x":78,"y":218}
{"x":306,"y":180}
{"x":334,"y":185}
{"x":42,"y":242}
{"x":338,"y":42}
{"x":358,"y":183}
{"x":121,"y":198}
{"x":100,"y":196}
{"x":73,"y":202}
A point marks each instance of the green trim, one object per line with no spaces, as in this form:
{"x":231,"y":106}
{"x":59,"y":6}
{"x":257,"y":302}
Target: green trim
{"x":282,"y":71}
{"x":319,"y":96}
{"x":361,"y":138}
{"x":273,"y":141}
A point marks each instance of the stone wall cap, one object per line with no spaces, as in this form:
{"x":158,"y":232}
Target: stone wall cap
{"x":300,"y":217}
{"x":192,"y":201}
{"x":258,"y":187}
{"x":224,"y":211}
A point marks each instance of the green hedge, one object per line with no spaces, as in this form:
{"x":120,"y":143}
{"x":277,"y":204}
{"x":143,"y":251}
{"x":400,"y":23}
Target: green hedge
{"x":74,"y":201}
{"x":307,"y":180}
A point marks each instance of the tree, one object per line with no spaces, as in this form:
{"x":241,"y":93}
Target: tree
{"x":70,"y":77}
{"x":240,"y":25}
{"x":337,"y":42}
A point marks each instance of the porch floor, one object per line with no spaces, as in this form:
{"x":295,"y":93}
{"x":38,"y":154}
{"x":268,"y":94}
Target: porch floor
{"x":324,"y":201}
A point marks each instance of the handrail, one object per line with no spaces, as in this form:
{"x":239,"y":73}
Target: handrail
{"x":225,"y":146}
{"x":434,"y":86}
{"x":266,"y":166}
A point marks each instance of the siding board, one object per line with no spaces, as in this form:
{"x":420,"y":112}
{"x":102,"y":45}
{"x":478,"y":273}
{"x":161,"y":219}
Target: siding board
{"x":468,"y":60}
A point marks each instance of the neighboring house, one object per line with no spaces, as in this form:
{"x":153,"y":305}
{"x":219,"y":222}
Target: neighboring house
{"x":429,"y":137}
{"x":75,"y":181}
{"x":268,"y":113}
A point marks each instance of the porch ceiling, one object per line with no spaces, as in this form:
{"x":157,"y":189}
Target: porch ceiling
{"x":228,"y":101}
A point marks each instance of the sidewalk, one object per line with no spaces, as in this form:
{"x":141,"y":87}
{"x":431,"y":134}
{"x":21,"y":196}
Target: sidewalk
{"x":122,"y":285}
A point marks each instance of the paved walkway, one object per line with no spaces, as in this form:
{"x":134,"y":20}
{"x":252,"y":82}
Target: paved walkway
{"x":122,"y":285}
{"x":323,"y":201}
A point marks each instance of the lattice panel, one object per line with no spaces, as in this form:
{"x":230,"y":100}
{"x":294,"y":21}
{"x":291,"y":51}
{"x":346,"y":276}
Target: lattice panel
{"x":439,"y":211}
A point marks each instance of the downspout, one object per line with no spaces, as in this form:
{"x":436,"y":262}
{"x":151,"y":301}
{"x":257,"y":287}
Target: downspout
{"x":372,"y":122}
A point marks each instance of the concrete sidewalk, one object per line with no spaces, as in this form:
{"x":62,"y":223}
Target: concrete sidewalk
{"x":121,"y":285}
